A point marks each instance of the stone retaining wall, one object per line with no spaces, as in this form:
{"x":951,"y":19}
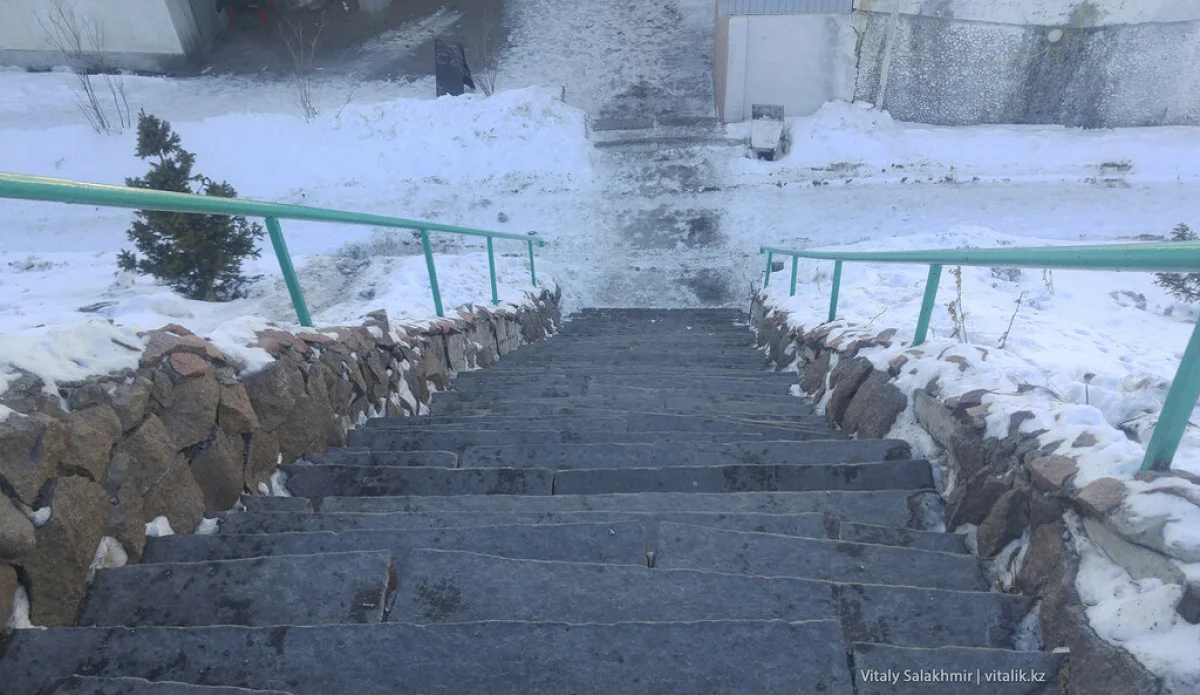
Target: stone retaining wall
{"x":183,"y":435}
{"x":1010,"y":488}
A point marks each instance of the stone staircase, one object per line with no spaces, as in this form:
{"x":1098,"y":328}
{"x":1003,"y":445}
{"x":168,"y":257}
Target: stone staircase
{"x":636,"y":505}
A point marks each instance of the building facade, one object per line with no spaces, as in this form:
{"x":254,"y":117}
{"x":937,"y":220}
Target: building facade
{"x":144,"y":35}
{"x":1089,"y":63}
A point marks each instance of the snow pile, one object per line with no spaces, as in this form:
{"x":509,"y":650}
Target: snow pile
{"x":854,"y":141}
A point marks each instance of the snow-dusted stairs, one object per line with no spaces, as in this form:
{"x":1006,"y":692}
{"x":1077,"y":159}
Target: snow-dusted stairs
{"x":634,"y":506}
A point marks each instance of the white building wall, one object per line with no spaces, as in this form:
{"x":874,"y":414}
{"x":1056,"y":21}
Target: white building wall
{"x":141,"y":26}
{"x":799,"y":61}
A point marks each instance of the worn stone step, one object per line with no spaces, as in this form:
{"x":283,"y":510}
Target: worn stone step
{"x":617,"y":373}
{"x":890,"y":670}
{"x":908,"y":538}
{"x":318,"y":589}
{"x":681,"y":371}
{"x":509,"y":419}
{"x":601,"y":407}
{"x":712,"y":360}
{"x":359,"y":456}
{"x":891,"y":475}
{"x":669,"y":344}
{"x":313,"y":480}
{"x":902,"y":508}
{"x":638,"y":385}
{"x":438,"y":586}
{"x":565,"y":351}
{"x":417,"y":439}
{"x":89,"y":685}
{"x":806,"y":525}
{"x":264,"y":503}
{"x":763,"y":554}
{"x":499,"y":658}
{"x":644,"y":420}
{"x":598,"y":423}
{"x":621,"y":397}
{"x":616,"y":543}
{"x":575,"y":456}
{"x":512,"y":404}
{"x":487,"y":587}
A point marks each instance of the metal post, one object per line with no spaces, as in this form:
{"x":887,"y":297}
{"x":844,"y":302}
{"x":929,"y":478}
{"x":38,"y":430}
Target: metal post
{"x":532,"y":272}
{"x":795,"y":262}
{"x":931,"y":288}
{"x":289,"y":273}
{"x":767,"y":280}
{"x":433,"y":283}
{"x":837,"y":285}
{"x":1176,"y":410}
{"x":492,"y":272}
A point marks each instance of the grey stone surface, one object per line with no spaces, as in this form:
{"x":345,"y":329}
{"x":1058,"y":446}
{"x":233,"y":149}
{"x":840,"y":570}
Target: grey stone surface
{"x":892,"y":475}
{"x":765,"y":554}
{"x":890,"y":535}
{"x":264,"y":503}
{"x":574,"y":422}
{"x":618,"y":543}
{"x":1138,"y":561}
{"x":8,"y":589}
{"x":439,"y":586}
{"x":31,"y":449}
{"x":1005,"y":522}
{"x":960,"y":668}
{"x":16,"y":531}
{"x":416,"y":439}
{"x":572,"y":456}
{"x":88,"y":685}
{"x":886,"y":508}
{"x":785,"y":407}
{"x":334,"y":588}
{"x":844,"y":380}
{"x":307,"y":480}
{"x":355,"y":457}
{"x":808,"y":525}
{"x":874,"y":408}
{"x":498,"y":658}
{"x":921,"y":617}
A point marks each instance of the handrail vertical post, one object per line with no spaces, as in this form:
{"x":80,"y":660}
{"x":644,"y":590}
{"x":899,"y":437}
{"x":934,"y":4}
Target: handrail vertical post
{"x":837,"y":286}
{"x":1176,"y":410}
{"x":795,"y":265}
{"x":289,"y":272}
{"x":767,"y":279}
{"x":433,"y":283}
{"x":931,"y":288}
{"x":532,"y":272}
{"x":492,"y":272}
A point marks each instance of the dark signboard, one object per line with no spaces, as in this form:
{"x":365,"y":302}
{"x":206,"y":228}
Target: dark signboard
{"x":450,"y":68}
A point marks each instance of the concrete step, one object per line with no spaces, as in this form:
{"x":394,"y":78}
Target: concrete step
{"x":890,"y":670}
{"x":644,"y":420}
{"x":690,"y":341}
{"x":506,"y":419}
{"x":763,"y":554}
{"x":498,"y":658}
{"x":263,"y":503}
{"x":329,"y":588}
{"x":900,"y":508}
{"x":575,"y":456}
{"x":494,"y":588}
{"x":711,"y":359}
{"x":891,"y":475}
{"x":458,"y":440}
{"x":89,"y":685}
{"x":581,"y":351}
{"x":806,"y":525}
{"x":314,"y":480}
{"x":615,"y":543}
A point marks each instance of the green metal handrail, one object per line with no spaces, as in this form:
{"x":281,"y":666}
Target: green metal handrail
{"x":23,"y":187}
{"x":1176,"y":257}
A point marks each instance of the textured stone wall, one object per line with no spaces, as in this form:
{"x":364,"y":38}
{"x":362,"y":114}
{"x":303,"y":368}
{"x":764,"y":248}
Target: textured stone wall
{"x":1010,"y":488}
{"x":183,"y":436}
{"x":949,"y":71}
